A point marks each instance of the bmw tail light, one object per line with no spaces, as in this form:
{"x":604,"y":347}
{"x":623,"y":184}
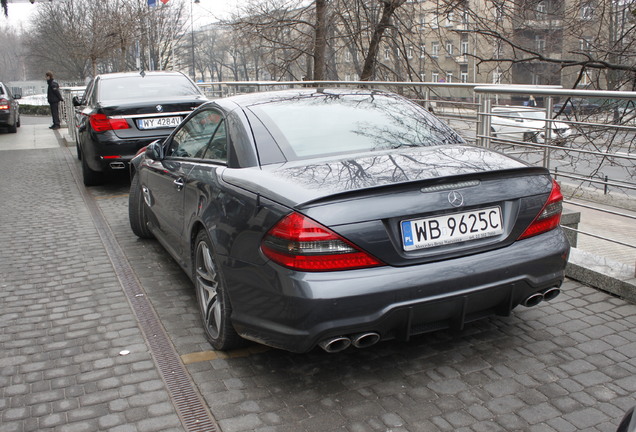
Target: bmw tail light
{"x":300,"y":243}
{"x":4,"y":104}
{"x":550,"y":215}
{"x":101,"y":123}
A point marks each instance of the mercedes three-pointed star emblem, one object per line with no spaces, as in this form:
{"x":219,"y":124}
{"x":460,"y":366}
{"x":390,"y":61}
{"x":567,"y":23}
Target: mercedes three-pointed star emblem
{"x":455,"y":199}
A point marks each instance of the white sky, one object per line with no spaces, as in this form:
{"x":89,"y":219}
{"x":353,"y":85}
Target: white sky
{"x":204,"y":12}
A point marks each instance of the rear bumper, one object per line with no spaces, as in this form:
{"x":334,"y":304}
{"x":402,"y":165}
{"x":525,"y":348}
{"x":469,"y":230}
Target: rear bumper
{"x":105,"y":152}
{"x":6,"y":119}
{"x":295,"y":311}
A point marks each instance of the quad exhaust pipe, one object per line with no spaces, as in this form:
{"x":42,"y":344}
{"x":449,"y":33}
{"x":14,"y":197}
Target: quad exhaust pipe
{"x":365,"y":340}
{"x":536,"y":298}
{"x":335,"y":344}
{"x":341,"y":343}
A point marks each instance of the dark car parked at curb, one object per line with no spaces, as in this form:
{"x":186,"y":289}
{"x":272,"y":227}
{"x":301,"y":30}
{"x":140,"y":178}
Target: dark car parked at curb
{"x":123,"y":112}
{"x":340,"y":217}
{"x":576,"y":105}
{"x":9,"y":109}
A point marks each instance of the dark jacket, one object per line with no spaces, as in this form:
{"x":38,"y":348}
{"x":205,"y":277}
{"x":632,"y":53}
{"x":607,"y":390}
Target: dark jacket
{"x":53,"y":94}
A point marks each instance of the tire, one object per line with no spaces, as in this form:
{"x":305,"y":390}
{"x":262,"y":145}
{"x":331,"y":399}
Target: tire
{"x":137,"y":210}
{"x":90,"y":177}
{"x":79,"y":151}
{"x":17,"y":123}
{"x":13,"y":129}
{"x":530,"y":136}
{"x":214,"y":304}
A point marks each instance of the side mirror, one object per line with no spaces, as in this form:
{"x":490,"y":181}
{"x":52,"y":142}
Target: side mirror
{"x":154,"y":151}
{"x":77,"y":101}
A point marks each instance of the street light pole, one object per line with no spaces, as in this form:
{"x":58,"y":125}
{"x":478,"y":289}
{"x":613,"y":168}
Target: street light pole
{"x":192,"y":34}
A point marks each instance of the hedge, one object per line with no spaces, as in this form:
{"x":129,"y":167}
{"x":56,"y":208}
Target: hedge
{"x":35,"y":110}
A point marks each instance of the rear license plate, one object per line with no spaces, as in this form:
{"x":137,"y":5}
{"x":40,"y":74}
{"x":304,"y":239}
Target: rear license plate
{"x":451,"y":228}
{"x":159,"y":122}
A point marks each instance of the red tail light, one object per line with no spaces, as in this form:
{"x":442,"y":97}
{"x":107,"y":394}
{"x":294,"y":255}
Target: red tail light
{"x":4,"y":104}
{"x":101,"y":123}
{"x":300,"y":243}
{"x":550,"y":215}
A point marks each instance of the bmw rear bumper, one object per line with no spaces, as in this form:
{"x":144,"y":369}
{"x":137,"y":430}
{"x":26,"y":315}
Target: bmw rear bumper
{"x":295,"y":311}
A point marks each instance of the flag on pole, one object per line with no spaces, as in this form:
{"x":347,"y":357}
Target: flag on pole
{"x":152,"y":2}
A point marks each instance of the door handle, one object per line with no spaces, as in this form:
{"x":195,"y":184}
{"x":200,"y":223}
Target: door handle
{"x":179,"y":183}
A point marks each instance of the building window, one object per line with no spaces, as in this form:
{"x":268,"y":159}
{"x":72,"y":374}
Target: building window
{"x":587,"y":12}
{"x":586,"y":79}
{"x":450,"y":18}
{"x":347,"y":56}
{"x":434,"y":77}
{"x":434,"y":21}
{"x":422,"y":21}
{"x":496,"y":77}
{"x":387,"y":53}
{"x":449,"y":77}
{"x":541,"y":10}
{"x":539,"y":43}
{"x":585,"y":44}
{"x":422,"y":76}
{"x":499,"y":12}
{"x":435,"y":49}
{"x":463,"y":76}
{"x":449,"y":48}
{"x":465,"y":18}
{"x":409,"y":52}
{"x":464,"y":46}
{"x":422,"y":51}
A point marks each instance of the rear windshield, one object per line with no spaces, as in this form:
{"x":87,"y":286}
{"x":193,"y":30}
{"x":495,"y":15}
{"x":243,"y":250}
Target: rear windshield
{"x":149,"y":86}
{"x":326,"y":124}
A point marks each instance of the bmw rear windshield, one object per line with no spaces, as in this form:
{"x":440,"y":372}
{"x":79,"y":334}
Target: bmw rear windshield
{"x":323,"y":124}
{"x":147,"y":87}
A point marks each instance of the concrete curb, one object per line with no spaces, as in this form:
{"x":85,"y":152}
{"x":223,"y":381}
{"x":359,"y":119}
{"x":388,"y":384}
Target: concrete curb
{"x":603,"y":273}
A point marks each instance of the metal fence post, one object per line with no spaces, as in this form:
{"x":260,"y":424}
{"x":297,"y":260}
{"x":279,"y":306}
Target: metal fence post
{"x":547,"y":132}
{"x":483,"y":121}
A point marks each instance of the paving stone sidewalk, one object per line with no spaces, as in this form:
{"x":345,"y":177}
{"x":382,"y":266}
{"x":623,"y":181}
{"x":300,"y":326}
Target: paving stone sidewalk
{"x":63,"y":317}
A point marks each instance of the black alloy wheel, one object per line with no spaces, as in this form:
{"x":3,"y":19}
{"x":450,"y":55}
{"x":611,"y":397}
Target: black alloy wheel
{"x":137,"y":210}
{"x":214,"y":304}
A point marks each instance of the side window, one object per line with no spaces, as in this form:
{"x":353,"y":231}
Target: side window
{"x":88,"y":93}
{"x":202,"y":137}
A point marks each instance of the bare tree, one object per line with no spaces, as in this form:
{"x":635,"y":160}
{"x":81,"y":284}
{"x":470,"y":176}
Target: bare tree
{"x":79,"y":38}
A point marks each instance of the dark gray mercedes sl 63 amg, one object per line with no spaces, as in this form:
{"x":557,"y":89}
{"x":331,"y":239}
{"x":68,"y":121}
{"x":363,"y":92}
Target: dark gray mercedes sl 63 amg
{"x":340,"y":217}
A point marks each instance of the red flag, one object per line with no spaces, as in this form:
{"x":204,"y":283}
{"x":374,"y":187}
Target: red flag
{"x":164,"y":1}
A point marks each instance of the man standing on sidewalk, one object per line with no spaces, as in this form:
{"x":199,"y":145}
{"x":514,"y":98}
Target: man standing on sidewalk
{"x":54,"y":97}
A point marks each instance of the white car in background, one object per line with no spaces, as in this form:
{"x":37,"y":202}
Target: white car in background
{"x":525,"y":124}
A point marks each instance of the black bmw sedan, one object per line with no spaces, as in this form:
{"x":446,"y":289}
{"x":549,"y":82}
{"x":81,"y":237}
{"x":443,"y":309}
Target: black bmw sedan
{"x":123,"y":112}
{"x":339,"y":218}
